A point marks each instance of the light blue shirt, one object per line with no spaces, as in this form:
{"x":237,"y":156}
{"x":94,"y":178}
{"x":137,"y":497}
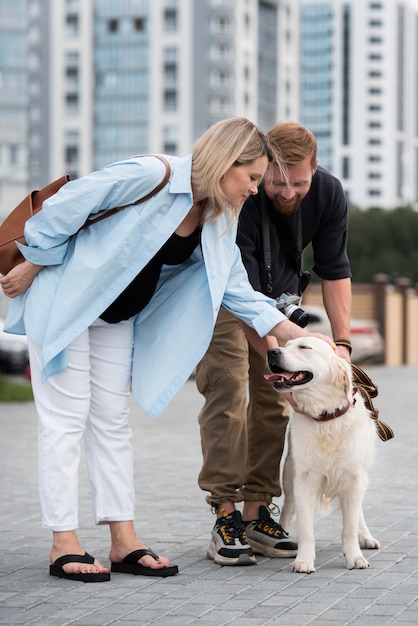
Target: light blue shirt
{"x":85,"y":271}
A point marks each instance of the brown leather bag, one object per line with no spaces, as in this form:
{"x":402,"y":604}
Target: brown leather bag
{"x":12,"y":228}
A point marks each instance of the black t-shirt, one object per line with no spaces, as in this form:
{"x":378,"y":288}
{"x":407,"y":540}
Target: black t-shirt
{"x":324,"y":215}
{"x":139,"y":292}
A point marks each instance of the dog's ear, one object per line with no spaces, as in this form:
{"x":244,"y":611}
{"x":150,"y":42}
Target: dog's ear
{"x":342,"y":375}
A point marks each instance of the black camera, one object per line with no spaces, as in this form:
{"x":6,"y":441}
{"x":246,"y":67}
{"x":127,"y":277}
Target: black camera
{"x":288,"y":304}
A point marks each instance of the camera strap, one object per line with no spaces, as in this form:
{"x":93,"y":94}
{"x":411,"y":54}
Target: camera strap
{"x":265,"y":222}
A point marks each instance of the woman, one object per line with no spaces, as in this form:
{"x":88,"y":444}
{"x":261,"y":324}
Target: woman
{"x":135,"y":295}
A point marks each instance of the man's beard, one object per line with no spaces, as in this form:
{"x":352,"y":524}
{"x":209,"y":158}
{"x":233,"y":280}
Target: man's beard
{"x":285,"y":208}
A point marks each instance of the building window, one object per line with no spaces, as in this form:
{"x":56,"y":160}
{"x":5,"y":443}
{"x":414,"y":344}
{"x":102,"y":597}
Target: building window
{"x":170,"y":140}
{"x":71,"y":102}
{"x":220,"y":78}
{"x":113,"y":25}
{"x":72,"y":75}
{"x":170,"y":100}
{"x":220,"y":105}
{"x":170,"y":20}
{"x":170,"y":54}
{"x":72,"y":24}
{"x":170,"y":74}
{"x":71,"y":155}
{"x":345,"y":167}
{"x":220,"y":24}
{"x":13,"y":154}
{"x":220,"y":52}
{"x":139,"y":24}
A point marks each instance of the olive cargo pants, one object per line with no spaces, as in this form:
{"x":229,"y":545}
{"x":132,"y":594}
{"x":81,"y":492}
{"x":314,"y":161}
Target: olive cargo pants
{"x":243,"y":421}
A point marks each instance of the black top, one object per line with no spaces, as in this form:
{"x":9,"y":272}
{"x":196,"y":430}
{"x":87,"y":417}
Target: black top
{"x":324,"y":215}
{"x":139,"y":292}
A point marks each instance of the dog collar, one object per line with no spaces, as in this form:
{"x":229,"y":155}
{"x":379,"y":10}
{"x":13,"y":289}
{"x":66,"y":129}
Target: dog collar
{"x":325,"y":416}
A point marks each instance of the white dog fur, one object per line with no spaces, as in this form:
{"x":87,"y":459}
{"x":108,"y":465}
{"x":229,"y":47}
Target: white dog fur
{"x":326,"y":459}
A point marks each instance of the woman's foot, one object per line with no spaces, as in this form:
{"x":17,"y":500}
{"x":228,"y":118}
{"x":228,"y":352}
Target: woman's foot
{"x":125,"y":541}
{"x":66,"y":543}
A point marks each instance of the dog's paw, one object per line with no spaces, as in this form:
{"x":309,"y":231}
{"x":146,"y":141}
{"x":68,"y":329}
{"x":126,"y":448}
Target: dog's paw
{"x":357,"y":562}
{"x":369,"y":543}
{"x":301,"y":567}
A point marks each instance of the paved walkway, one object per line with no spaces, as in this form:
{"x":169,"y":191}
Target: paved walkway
{"x":173,"y":518}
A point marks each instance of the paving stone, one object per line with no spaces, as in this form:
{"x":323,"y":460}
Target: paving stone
{"x":173,"y":517}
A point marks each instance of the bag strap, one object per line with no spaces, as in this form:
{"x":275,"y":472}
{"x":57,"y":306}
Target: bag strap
{"x":147,"y":197}
{"x":37,"y":197}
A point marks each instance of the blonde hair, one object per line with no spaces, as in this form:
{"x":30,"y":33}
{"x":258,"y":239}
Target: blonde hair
{"x":295,"y":142}
{"x":231,"y":142}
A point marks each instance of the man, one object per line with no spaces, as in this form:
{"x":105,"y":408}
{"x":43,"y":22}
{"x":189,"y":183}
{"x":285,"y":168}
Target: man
{"x":243,"y":421}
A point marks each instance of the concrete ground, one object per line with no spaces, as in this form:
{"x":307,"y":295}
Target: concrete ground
{"x":173,"y":518}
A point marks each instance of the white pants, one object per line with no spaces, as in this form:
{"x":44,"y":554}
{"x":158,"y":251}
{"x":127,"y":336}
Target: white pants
{"x":88,"y":399}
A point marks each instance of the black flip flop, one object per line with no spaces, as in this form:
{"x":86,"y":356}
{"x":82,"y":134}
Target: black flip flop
{"x":56,"y":569}
{"x":130,"y":565}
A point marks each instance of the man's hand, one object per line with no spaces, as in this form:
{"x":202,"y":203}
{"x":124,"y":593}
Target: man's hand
{"x":344,"y":353}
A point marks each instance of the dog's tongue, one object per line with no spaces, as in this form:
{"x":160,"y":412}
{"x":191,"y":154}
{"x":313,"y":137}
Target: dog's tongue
{"x":274,"y":377}
{"x":271,"y":377}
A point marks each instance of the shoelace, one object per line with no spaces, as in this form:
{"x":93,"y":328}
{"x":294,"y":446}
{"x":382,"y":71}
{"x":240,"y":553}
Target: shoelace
{"x":274,"y":510}
{"x":231,"y":529}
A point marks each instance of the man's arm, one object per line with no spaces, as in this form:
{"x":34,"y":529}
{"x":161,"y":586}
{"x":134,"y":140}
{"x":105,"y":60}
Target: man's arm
{"x":337,"y":298}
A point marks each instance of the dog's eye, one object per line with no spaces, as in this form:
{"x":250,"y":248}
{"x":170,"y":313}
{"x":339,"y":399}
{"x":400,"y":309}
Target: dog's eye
{"x":303,"y":347}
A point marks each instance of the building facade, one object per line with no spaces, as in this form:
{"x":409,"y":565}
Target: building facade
{"x":14,"y":100}
{"x":359,"y":95}
{"x":104,"y":80}
{"x":87,"y":82}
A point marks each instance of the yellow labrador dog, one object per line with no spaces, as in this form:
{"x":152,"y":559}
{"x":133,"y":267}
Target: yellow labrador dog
{"x":331,"y":446}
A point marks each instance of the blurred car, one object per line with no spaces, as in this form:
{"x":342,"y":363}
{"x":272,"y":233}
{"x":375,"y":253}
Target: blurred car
{"x":13,"y":352}
{"x":367,"y":342}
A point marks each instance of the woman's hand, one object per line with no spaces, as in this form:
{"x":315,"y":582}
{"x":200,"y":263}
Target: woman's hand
{"x":287,"y":330}
{"x":19,"y":279}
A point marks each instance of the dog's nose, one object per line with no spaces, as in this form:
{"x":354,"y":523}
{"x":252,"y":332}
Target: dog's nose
{"x":274,"y":351}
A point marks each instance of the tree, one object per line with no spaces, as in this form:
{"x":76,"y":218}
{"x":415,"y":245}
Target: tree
{"x":381,"y":241}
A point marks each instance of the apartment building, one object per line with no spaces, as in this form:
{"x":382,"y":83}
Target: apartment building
{"x":14,"y":98}
{"x":102,"y":80}
{"x":86,"y":82}
{"x":359,"y":95}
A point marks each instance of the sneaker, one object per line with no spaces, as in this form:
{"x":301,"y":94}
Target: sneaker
{"x":267,"y":536}
{"x":229,"y":542}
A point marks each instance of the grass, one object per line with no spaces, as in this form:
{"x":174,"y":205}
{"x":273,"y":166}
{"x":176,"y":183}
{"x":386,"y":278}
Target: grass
{"x":12,"y":391}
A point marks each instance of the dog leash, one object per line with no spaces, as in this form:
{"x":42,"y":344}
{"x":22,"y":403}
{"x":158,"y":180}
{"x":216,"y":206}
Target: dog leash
{"x":369,"y":390}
